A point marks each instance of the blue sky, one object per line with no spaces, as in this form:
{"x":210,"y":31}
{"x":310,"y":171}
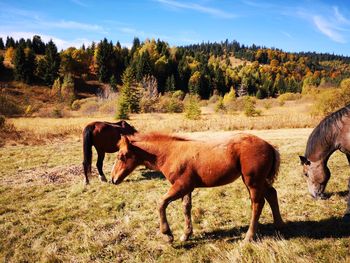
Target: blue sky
{"x":321,"y":26}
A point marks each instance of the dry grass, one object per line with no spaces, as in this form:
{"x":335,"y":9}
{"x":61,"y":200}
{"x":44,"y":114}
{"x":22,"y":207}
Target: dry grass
{"x":47,"y":215}
{"x":293,"y":114}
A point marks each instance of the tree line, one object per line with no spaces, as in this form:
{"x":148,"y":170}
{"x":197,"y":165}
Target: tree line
{"x":204,"y":69}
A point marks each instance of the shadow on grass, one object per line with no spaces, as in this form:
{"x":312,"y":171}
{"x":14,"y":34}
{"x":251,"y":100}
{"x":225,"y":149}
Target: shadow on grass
{"x":333,"y":227}
{"x":149,"y":174}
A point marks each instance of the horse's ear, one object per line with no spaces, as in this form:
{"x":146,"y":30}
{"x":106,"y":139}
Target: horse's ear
{"x":124,"y":142}
{"x":304,"y":160}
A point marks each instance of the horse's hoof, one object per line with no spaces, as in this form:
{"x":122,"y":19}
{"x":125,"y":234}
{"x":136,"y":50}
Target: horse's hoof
{"x":169,"y":238}
{"x":103,"y":179}
{"x":184,"y":238}
{"x":346,"y":218}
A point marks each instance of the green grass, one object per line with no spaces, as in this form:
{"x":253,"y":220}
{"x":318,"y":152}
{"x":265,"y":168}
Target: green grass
{"x":48,"y":220}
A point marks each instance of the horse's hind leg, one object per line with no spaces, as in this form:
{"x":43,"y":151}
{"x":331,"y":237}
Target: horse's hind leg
{"x":271,"y":197}
{"x":87,"y":171}
{"x":187,"y":205}
{"x":99,"y":164}
{"x":346,"y":217}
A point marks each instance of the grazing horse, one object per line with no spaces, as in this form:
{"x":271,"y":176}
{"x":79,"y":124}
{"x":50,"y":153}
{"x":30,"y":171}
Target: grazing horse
{"x":105,"y":137}
{"x":331,"y":134}
{"x":190,"y":164}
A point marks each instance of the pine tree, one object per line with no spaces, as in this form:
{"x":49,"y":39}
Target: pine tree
{"x":38,"y":45}
{"x":52,"y":61}
{"x":170,"y":84}
{"x":10,"y":42}
{"x":2,"y":46}
{"x":143,"y":66}
{"x":104,"y":60}
{"x":19,"y":62}
{"x":113,"y":83}
{"x":30,"y":65}
{"x":129,"y":101}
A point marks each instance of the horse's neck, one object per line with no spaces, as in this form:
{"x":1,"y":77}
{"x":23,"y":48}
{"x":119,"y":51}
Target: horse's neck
{"x":322,"y":153}
{"x":154,"y":153}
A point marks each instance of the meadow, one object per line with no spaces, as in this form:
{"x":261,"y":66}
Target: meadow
{"x":48,"y":215}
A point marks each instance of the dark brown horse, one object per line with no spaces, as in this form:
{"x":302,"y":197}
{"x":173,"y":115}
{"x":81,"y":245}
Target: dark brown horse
{"x":331,"y":134}
{"x":105,"y":137}
{"x":189,"y":164}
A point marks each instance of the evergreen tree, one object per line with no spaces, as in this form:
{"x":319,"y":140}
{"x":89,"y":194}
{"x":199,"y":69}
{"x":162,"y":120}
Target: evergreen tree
{"x":1,"y":63}
{"x":10,"y":42}
{"x":143,"y":66}
{"x":105,"y":60}
{"x":38,"y":45}
{"x":24,"y":64}
{"x":30,"y":65}
{"x":170,"y":84}
{"x":219,"y":81}
{"x":129,"y":100}
{"x":2,"y":46}
{"x":19,"y":63}
{"x":113,"y":83}
{"x":52,"y":63}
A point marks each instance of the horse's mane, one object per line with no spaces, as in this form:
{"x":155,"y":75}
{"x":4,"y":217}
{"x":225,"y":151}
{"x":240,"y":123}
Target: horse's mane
{"x":156,"y":136}
{"x":326,"y":131}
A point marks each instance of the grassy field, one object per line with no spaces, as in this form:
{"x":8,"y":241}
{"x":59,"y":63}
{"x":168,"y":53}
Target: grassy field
{"x":48,"y":215}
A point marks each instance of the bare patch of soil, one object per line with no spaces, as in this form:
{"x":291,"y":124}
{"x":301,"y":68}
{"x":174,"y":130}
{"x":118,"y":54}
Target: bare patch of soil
{"x":40,"y":176}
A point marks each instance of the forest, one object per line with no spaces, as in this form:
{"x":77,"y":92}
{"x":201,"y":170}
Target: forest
{"x":204,"y":69}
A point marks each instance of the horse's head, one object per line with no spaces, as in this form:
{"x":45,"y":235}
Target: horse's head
{"x":127,"y":128}
{"x":125,"y":162}
{"x":317,"y":174}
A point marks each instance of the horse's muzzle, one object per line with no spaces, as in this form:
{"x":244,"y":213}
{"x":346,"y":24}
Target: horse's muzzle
{"x":115,"y":181}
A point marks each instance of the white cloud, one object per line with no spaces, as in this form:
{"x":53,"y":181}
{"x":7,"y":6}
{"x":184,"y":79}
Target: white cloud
{"x":60,"y":43}
{"x":74,"y":25}
{"x":328,"y":29}
{"x":199,"y":8}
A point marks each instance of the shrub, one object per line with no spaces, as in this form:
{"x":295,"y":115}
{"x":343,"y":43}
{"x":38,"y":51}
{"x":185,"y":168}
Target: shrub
{"x":57,"y":112}
{"x":67,"y":89}
{"x":56,"y":89}
{"x":192,"y":109}
{"x":229,"y":97}
{"x":178,"y":94}
{"x":76,"y":105}
{"x":89,"y":107}
{"x":330,"y":100}
{"x":9,"y":107}
{"x":220,"y":106}
{"x":249,"y":107}
{"x":169,"y":104}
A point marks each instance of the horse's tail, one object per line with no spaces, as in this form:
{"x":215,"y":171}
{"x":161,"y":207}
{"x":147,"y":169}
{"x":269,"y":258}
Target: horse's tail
{"x":275,"y":166}
{"x":87,"y":150}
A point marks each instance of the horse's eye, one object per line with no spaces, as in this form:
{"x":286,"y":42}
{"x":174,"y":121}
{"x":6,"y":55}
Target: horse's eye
{"x":305,"y":174}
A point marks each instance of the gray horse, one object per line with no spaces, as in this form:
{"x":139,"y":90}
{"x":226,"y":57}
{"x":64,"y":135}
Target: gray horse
{"x":331,"y":134}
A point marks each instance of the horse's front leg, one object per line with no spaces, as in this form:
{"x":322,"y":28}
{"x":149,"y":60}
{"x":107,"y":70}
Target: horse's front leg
{"x":175,"y":192}
{"x":346,"y":217}
{"x":187,"y":206}
{"x":99,"y":164}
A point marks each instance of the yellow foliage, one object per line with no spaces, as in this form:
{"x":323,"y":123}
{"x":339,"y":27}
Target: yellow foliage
{"x":9,"y":55}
